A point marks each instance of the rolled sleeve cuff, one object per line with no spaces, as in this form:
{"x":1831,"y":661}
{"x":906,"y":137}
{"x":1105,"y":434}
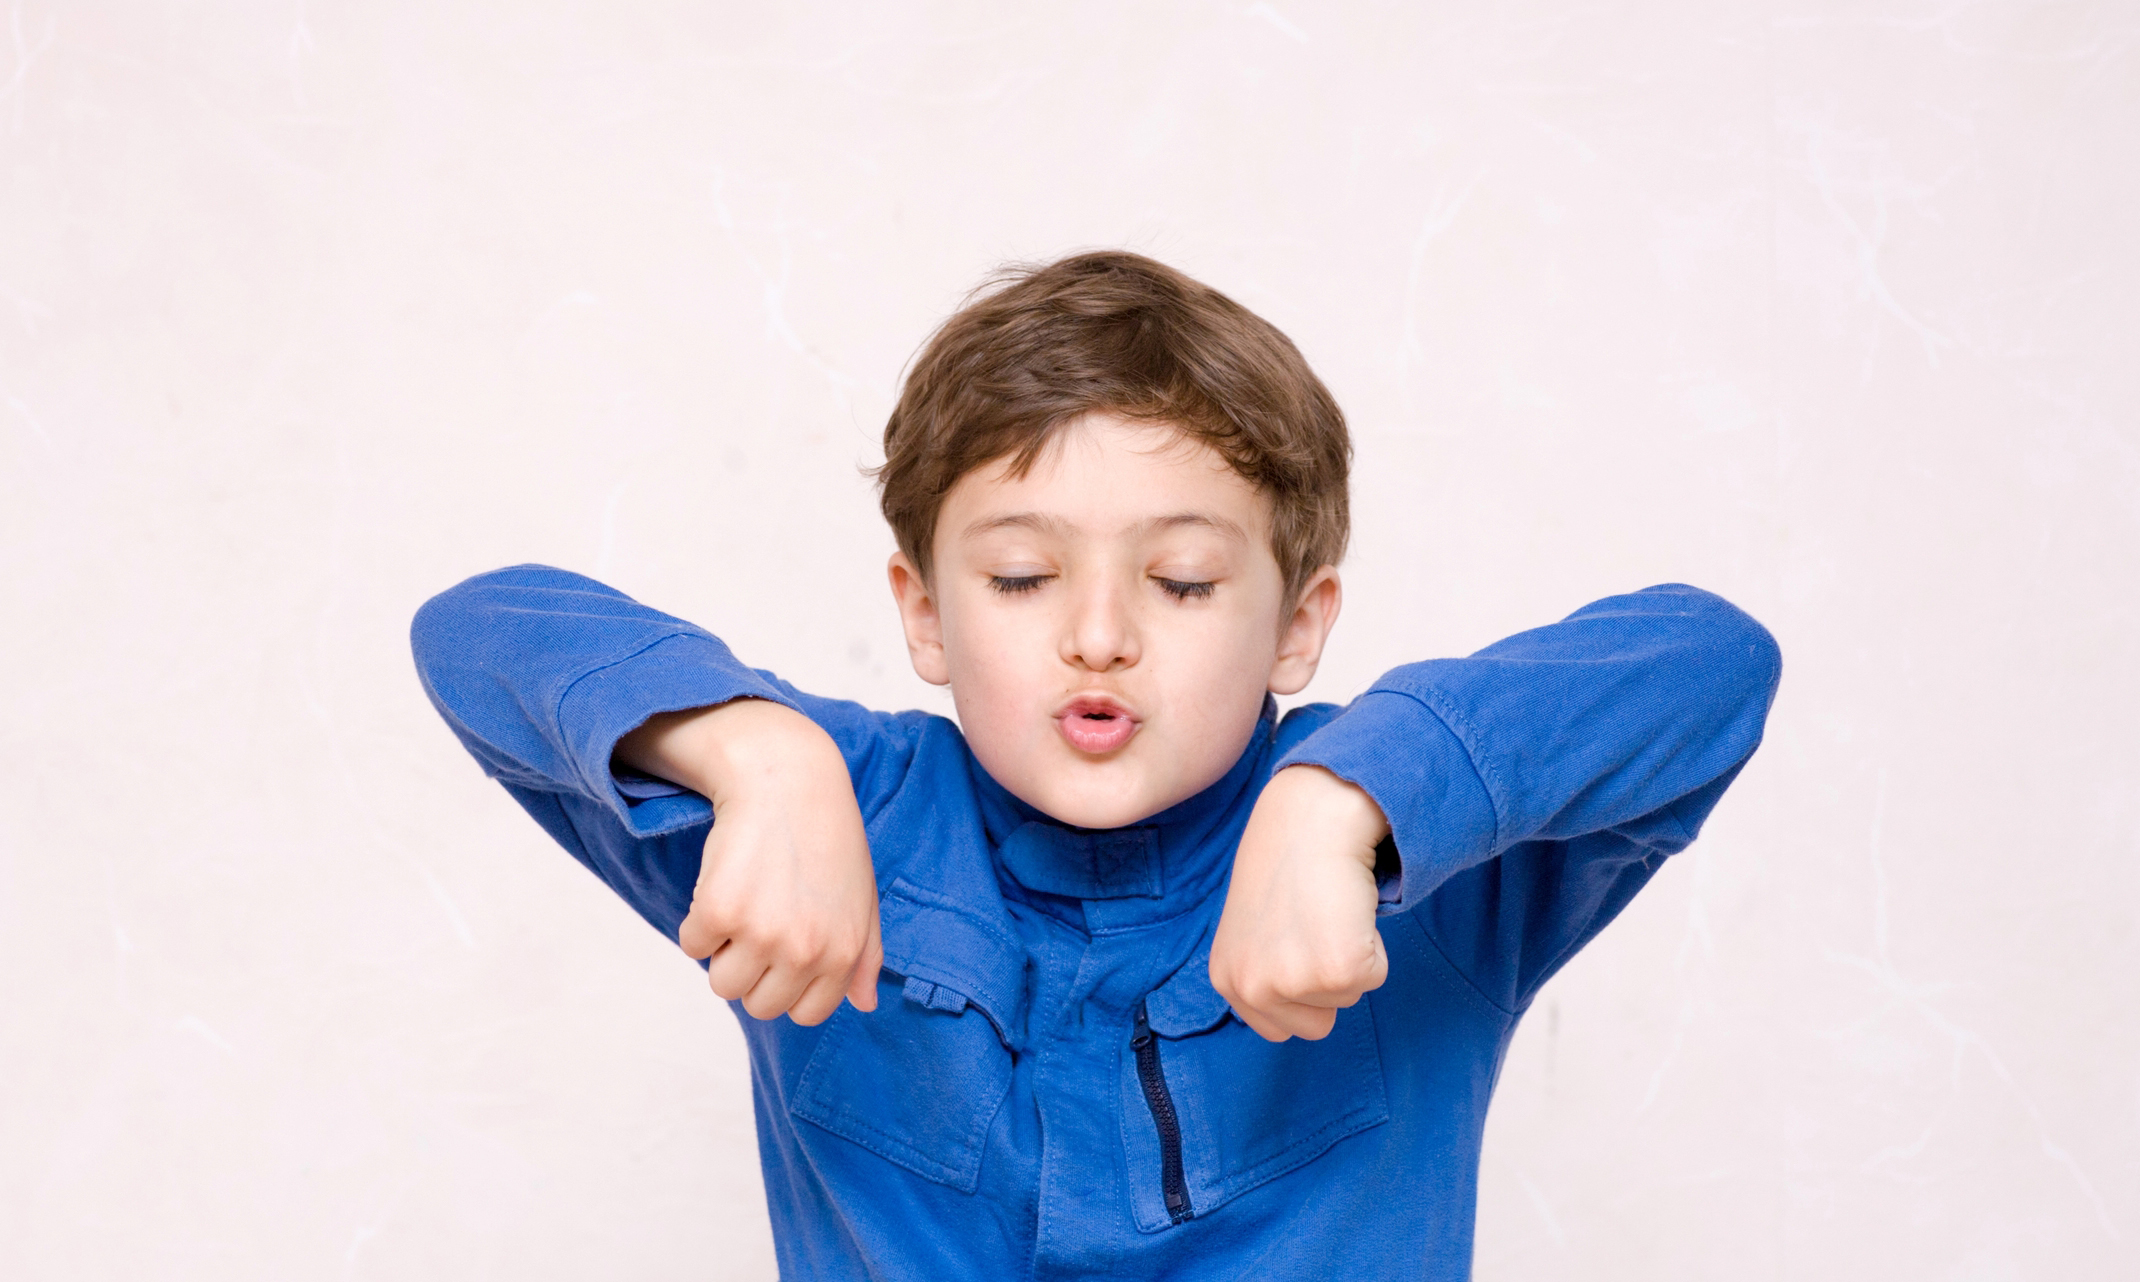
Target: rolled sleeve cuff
{"x":1404,"y":756}
{"x":681,"y":671}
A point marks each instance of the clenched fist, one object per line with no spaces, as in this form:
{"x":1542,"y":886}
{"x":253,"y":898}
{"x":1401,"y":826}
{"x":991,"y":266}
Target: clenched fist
{"x":1297,"y":940}
{"x":786,"y":902}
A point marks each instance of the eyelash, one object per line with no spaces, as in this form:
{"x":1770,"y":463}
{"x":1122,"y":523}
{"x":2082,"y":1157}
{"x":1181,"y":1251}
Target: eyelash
{"x":1179,"y":589}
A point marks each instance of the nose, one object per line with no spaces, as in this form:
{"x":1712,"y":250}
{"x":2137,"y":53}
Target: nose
{"x":1099,"y":635}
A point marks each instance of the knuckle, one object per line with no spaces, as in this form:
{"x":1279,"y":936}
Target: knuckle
{"x":811,"y":1014}
{"x":1344,"y":971}
{"x":1330,"y":978}
{"x":718,"y":919}
{"x":802,"y":949}
{"x":1294,"y":981}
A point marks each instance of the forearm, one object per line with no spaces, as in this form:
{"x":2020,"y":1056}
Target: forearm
{"x":1626,"y":713}
{"x":1343,"y":816}
{"x":717,"y":751}
{"x":541,"y":672}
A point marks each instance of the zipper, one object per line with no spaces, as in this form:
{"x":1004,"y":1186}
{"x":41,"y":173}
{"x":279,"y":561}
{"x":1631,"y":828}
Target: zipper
{"x":1161,"y":1101}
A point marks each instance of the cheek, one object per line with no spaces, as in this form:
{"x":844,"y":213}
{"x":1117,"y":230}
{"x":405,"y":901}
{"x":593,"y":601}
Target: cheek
{"x":1222,"y":673}
{"x":994,"y":666}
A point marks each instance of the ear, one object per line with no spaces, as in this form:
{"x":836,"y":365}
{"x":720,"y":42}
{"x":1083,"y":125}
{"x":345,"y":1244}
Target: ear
{"x":1300,"y":645}
{"x":923,"y":623}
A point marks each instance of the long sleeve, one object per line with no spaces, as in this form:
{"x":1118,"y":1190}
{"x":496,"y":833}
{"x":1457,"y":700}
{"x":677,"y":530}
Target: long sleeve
{"x":1533,"y":787}
{"x":540,"y":672}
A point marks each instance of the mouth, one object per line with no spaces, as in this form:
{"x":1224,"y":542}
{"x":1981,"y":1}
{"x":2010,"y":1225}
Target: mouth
{"x":1095,"y":725}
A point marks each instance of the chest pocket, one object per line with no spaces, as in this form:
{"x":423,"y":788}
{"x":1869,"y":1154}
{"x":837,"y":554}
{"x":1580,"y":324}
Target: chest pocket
{"x":1244,"y":1111}
{"x":919,"y":1080}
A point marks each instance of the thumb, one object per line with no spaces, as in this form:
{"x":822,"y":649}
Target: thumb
{"x":1378,"y":970}
{"x":862,"y":983}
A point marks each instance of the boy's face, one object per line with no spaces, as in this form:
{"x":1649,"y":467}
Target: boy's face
{"x":1109,"y":622}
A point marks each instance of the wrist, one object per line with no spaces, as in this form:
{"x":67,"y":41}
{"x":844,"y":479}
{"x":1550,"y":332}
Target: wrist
{"x":755,"y":747}
{"x":1334,"y":806}
{"x":729,"y":751}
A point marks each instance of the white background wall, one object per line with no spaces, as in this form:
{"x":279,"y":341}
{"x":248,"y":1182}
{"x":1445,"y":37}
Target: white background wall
{"x":309,"y":309}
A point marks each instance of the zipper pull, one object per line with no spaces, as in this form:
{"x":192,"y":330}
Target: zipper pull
{"x":1142,"y":1034}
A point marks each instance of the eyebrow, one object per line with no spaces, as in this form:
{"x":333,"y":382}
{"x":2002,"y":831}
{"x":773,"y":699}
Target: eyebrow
{"x":1040,"y":523}
{"x":1033,"y":521}
{"x":1216,"y":524}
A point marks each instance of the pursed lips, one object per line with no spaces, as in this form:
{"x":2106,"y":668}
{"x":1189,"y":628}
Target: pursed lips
{"x":1095,"y":725}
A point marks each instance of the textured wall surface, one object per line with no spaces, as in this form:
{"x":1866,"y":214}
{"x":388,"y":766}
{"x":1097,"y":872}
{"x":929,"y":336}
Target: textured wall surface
{"x":309,"y":309}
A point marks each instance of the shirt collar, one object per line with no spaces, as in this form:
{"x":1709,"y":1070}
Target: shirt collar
{"x":1182,"y":852}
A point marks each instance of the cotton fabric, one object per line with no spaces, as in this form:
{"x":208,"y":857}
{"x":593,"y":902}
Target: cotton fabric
{"x":988,"y":1121}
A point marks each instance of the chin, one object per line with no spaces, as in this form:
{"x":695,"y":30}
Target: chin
{"x":1100,"y":803}
{"x":1077,"y":810}
{"x":1077,"y":790}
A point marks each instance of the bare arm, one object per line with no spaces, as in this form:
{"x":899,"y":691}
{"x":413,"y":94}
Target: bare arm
{"x":785,"y":906}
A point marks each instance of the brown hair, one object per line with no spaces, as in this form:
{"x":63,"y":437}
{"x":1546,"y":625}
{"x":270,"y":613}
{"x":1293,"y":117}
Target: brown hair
{"x":1036,"y":347}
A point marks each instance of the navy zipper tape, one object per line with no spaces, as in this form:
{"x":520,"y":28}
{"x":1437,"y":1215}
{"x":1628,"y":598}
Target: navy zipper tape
{"x":1153,"y":1078}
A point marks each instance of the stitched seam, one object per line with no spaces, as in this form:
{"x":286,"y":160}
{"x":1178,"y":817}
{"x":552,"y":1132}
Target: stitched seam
{"x":812,"y":1107}
{"x":1153,"y":924}
{"x":1293,"y":1158}
{"x":607,"y":784}
{"x":1581,"y":936}
{"x":1203,"y":955}
{"x":1466,"y":736}
{"x":981,"y":1000}
{"x":828,"y":1117}
{"x":1424,"y":934}
{"x":997,"y":1007}
{"x":1366,"y":1115}
{"x":1126,"y":1082}
{"x":901,"y":888}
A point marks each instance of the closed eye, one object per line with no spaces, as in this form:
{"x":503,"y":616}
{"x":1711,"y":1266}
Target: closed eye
{"x":1184,"y":589}
{"x":1013,"y":584}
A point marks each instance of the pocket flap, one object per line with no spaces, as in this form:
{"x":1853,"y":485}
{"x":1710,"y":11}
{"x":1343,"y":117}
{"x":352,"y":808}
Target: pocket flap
{"x":949,"y":955}
{"x":1187,"y":1004}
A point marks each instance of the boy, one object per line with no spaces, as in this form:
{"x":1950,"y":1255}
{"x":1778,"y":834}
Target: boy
{"x":1104,"y":942}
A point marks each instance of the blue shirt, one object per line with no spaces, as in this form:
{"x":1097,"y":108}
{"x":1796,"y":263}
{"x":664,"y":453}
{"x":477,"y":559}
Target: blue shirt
{"x":1049,"y":1086}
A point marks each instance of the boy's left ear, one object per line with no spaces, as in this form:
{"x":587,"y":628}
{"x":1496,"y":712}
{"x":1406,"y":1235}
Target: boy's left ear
{"x":1300,"y":645}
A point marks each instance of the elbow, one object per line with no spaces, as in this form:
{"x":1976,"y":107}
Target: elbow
{"x":449,"y":620}
{"x":1771,"y":658}
{"x":1744,"y":652}
{"x":1756,"y":658}
{"x":1740,"y":660}
{"x":433,"y":619}
{"x":449,"y":615}
{"x":438,"y":631}
{"x":465,"y":610}
{"x":1748,"y":663}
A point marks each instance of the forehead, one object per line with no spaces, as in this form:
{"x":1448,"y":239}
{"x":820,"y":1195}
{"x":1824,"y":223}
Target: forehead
{"x":1103,"y":474}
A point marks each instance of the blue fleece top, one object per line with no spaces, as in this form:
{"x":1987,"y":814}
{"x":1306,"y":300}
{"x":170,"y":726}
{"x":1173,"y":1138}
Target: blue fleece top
{"x":1049,"y":1086}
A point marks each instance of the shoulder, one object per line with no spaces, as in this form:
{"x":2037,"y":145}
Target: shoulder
{"x":1298,"y":723}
